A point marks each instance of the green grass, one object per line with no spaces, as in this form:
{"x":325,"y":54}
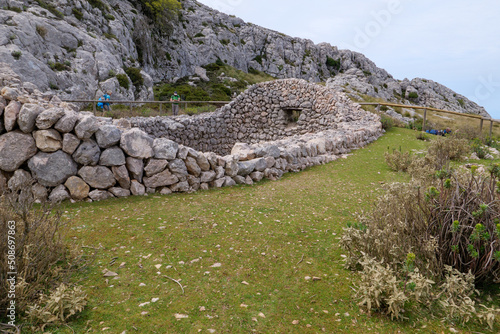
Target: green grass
{"x":270,"y":235}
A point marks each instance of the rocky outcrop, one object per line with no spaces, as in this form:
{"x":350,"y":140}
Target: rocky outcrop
{"x":271,"y":129}
{"x":79,"y":49}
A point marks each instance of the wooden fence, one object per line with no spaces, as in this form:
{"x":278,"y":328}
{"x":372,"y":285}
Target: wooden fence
{"x":377,"y":104}
{"x":425,"y":109}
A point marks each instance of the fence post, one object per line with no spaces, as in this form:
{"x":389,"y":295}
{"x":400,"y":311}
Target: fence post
{"x":425,"y":119}
{"x":160,"y":107}
{"x":94,"y":107}
{"x":491,"y":127}
{"x":378,"y":107}
{"x":481,"y":126}
{"x":130,"y":106}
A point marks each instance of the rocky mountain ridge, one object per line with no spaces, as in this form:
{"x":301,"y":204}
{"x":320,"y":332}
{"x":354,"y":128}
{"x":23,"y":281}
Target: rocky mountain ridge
{"x":81,"y":48}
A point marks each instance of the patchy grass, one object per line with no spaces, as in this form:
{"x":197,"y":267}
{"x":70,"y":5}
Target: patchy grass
{"x":267,"y":237}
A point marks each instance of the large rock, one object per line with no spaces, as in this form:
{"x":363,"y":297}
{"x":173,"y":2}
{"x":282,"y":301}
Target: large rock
{"x":99,"y":177}
{"x":88,"y":153}
{"x":135,"y":167}
{"x":67,"y":122}
{"x":246,"y":167}
{"x":231,"y":165}
{"x":121,"y":175}
{"x":207,"y":176}
{"x":178,"y":166}
{"x":19,"y":180}
{"x":70,"y":143}
{"x":59,"y":194}
{"x":10,"y":115}
{"x":15,"y":148}
{"x":108,"y":135}
{"x":165,"y":178}
{"x":165,"y":149}
{"x":119,"y":192}
{"x":52,"y":169}
{"x":202,"y":161}
{"x":180,"y":187}
{"x":86,"y":127}
{"x":48,"y":140}
{"x":49,"y":117}
{"x":40,"y":193}
{"x":155,"y":166}
{"x":77,"y":188}
{"x":27,"y":116}
{"x":137,"y":189}
{"x":137,"y":143}
{"x":112,"y":156}
{"x":192,"y":166}
{"x":9,"y":93}
{"x":100,"y":195}
{"x":243,"y":151}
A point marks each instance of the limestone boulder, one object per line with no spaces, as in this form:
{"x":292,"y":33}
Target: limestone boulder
{"x":21,"y":179}
{"x":202,"y":161}
{"x":137,"y":189}
{"x":59,"y":194}
{"x":192,"y":166}
{"x":180,"y":187}
{"x":10,"y":115}
{"x":137,"y":144}
{"x":165,"y":178}
{"x":121,"y":175}
{"x":52,"y":169}
{"x":155,"y":166}
{"x":119,"y":192}
{"x":178,"y":166}
{"x":88,"y":153}
{"x":112,"y":156}
{"x":9,"y":93}
{"x":15,"y":148}
{"x":246,"y":167}
{"x":70,"y":143}
{"x":229,"y":182}
{"x":27,"y":116}
{"x":86,"y":127}
{"x":100,"y":195}
{"x":243,"y":151}
{"x":99,"y":177}
{"x":231,"y":167}
{"x":135,"y":167}
{"x":165,"y":149}
{"x":108,"y":135}
{"x":77,"y":188}
{"x":48,"y":140}
{"x":207,"y":176}
{"x":47,"y":118}
{"x":40,"y":193}
{"x":67,"y":122}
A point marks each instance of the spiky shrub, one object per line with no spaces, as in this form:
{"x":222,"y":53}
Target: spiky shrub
{"x":449,"y":148}
{"x":41,"y":257}
{"x":398,"y":161}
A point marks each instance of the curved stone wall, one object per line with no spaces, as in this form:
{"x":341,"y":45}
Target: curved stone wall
{"x":67,"y":154}
{"x":262,"y":113}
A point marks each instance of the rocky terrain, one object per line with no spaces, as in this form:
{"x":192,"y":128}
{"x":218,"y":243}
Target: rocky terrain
{"x":80,"y":48}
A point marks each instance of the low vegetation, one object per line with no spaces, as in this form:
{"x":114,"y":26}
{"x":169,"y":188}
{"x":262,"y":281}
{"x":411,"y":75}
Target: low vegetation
{"x":441,"y":235}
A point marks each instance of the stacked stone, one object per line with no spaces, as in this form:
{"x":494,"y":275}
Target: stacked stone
{"x":259,"y":114}
{"x":74,"y":155}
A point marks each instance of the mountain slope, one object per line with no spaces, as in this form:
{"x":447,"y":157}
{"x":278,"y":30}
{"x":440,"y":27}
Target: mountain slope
{"x":81,"y":48}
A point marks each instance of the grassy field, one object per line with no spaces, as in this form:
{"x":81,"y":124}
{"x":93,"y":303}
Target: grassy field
{"x":262,"y":258}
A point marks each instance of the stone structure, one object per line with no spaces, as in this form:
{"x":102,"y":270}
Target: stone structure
{"x":270,"y":129}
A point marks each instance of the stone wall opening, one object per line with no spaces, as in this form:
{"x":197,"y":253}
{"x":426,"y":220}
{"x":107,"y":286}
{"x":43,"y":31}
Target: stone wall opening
{"x":292,"y":116}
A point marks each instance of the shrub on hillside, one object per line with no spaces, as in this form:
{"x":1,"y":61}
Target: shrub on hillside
{"x":135,"y":76}
{"x":123,"y":80}
{"x":398,"y":161}
{"x":444,"y":149}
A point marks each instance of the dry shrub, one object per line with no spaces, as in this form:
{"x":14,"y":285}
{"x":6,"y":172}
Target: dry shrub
{"x":43,"y":261}
{"x":444,"y":149}
{"x":62,"y":303}
{"x":398,"y":161}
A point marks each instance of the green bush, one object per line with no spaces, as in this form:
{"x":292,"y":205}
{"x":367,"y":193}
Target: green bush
{"x":335,"y":64}
{"x":135,"y":76}
{"x":77,"y":14}
{"x":123,"y":81}
{"x":16,"y":54}
{"x":387,"y":122}
{"x":398,"y":161}
{"x":478,"y":148}
{"x":413,"y":95}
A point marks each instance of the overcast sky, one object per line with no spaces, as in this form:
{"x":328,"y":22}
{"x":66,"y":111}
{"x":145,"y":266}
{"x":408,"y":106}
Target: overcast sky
{"x":453,"y":42}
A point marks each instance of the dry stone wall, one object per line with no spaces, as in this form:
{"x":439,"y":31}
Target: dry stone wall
{"x":67,"y":154}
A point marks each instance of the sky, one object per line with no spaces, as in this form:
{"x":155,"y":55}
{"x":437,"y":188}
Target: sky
{"x":453,"y":42}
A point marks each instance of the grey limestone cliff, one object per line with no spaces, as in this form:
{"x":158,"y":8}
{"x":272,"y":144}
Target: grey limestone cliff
{"x":80,"y":48}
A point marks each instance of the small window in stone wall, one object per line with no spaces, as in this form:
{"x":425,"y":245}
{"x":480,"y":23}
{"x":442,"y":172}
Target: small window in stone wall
{"x":292,"y":116}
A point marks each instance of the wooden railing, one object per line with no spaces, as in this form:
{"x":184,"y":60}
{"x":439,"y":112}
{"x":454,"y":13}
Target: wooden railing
{"x":377,"y":104}
{"x":425,"y":109}
{"x":161,"y":103}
